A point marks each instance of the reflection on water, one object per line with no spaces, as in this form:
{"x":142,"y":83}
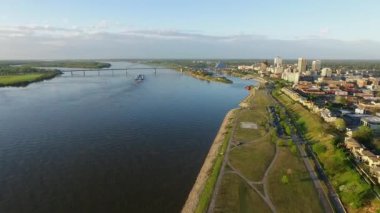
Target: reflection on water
{"x":107,"y":143}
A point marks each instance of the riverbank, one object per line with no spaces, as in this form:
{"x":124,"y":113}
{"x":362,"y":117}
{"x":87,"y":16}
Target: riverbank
{"x":203,"y":188}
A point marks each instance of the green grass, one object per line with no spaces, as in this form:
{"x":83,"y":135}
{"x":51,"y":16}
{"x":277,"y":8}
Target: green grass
{"x":353,"y":191}
{"x":252,"y":159}
{"x":254,"y":156}
{"x":23,"y":79}
{"x":236,"y":196}
{"x":298,"y":195}
{"x":255,"y":116}
{"x":206,"y":195}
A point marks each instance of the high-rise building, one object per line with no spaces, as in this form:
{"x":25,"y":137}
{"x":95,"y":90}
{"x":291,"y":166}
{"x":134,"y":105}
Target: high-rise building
{"x":290,"y":74}
{"x":326,"y":72}
{"x":278,"y":61}
{"x":316,"y":65}
{"x":264,"y":66}
{"x":301,"y":66}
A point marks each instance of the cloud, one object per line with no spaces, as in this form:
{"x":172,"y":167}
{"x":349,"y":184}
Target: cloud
{"x":324,"y":31}
{"x":99,"y":41}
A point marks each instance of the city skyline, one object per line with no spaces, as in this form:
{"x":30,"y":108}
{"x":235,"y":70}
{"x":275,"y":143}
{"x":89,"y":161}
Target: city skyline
{"x":188,"y":29}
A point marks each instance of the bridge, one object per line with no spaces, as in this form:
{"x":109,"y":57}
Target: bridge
{"x":72,"y":71}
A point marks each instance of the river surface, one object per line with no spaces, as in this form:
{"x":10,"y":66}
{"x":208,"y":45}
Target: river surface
{"x":107,"y":143}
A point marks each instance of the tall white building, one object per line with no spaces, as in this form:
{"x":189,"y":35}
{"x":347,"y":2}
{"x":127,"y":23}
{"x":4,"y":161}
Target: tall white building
{"x":326,"y":72}
{"x":291,"y":75}
{"x":301,"y":66}
{"x":278,"y":61}
{"x":316,"y":65}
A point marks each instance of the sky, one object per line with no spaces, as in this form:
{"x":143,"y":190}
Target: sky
{"x":84,"y":29}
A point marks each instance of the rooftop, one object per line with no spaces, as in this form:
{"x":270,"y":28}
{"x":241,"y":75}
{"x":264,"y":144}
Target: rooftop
{"x":372,"y":119}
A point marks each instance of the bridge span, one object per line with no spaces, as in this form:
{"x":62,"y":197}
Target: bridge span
{"x":72,"y":71}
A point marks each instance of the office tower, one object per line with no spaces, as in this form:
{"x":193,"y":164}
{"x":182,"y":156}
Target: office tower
{"x":316,"y":65}
{"x":301,"y":66}
{"x":326,"y":72}
{"x":278,"y":62}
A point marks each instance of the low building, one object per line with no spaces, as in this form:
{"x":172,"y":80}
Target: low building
{"x":359,"y":111}
{"x":373,"y":161}
{"x":371,"y":106}
{"x":375,"y":172}
{"x":327,"y":116}
{"x":353,"y":120}
{"x":361,"y":83}
{"x":245,"y":67}
{"x":372,"y":122}
{"x":365,"y":155}
{"x":341,"y":93}
{"x":352,"y":144}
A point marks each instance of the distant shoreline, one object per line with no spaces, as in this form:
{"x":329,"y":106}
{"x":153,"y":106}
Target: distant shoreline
{"x":23,"y":80}
{"x":23,"y":73}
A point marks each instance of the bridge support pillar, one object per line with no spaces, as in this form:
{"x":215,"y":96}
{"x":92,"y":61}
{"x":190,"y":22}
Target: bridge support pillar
{"x":71,"y":73}
{"x":98,"y":73}
{"x":126,"y":71}
{"x":155,"y":71}
{"x":84,"y":73}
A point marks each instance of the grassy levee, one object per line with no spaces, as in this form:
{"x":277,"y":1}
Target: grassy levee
{"x":256,"y":148}
{"x":24,"y":79}
{"x":206,"y":195}
{"x":251,"y":157}
{"x":354,"y":192}
{"x":236,"y":196}
{"x":298,"y":194}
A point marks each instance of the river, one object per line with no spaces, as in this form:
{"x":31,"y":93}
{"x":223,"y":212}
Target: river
{"x":107,"y":143}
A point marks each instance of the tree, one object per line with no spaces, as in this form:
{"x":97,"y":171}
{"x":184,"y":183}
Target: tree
{"x":363,"y":135}
{"x":280,"y":143}
{"x":288,"y":129}
{"x":284,"y":179}
{"x":293,"y":149}
{"x":340,"y":124}
{"x":340,"y":100}
{"x":319,"y":148}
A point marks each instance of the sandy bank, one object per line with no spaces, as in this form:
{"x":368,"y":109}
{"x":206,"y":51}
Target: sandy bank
{"x":193,"y":198}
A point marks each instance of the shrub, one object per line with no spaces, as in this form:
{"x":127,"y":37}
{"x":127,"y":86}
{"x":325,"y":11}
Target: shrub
{"x":363,"y":135}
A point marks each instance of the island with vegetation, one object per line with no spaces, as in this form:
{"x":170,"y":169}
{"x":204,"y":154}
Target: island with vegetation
{"x":197,"y":70}
{"x":209,"y":76}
